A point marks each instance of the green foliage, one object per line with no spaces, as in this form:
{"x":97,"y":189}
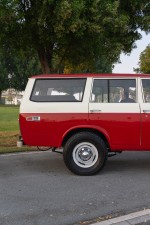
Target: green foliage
{"x":24,"y":66}
{"x":4,"y":82}
{"x":74,"y":31}
{"x":17,"y":64}
{"x":144,"y":63}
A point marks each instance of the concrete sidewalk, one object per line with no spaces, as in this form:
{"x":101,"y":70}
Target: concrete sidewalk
{"x":137,"y":218}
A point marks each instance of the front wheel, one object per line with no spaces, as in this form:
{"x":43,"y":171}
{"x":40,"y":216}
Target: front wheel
{"x":85,"y":153}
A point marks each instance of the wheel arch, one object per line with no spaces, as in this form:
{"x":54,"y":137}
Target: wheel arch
{"x":94,"y":130}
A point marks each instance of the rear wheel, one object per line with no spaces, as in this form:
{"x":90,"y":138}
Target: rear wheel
{"x":85,"y":153}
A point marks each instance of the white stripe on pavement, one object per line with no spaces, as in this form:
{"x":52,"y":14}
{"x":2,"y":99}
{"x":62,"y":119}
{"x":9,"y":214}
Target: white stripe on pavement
{"x":124,"y":218}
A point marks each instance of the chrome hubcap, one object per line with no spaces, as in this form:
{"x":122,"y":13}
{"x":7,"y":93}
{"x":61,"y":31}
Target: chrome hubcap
{"x":85,"y":154}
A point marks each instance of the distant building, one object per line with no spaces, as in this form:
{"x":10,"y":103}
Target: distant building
{"x":12,"y":97}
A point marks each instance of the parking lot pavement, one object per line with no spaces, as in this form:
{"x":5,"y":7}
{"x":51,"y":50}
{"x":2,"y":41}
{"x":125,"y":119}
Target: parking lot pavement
{"x":137,"y":218}
{"x":38,"y":189}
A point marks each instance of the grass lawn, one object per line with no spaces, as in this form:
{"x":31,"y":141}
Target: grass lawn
{"x":9,"y":130}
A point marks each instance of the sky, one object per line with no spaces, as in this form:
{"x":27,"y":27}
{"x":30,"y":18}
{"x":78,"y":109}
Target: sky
{"x":128,"y":62}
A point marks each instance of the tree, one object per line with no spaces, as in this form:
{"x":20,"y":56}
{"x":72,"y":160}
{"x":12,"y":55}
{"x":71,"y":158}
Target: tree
{"x":24,"y":66}
{"x":144,"y":63}
{"x":16,"y":67}
{"x":74,"y":32}
{"x":4,"y":81}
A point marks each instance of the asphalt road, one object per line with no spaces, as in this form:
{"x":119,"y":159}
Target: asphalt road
{"x":37,"y":189}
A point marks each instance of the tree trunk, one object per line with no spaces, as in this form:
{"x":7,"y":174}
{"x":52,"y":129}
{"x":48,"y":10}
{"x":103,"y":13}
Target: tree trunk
{"x":46,"y":61}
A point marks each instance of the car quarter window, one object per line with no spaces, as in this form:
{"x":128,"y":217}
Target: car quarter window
{"x":146,"y":89}
{"x":58,"y":90}
{"x":114,"y":91}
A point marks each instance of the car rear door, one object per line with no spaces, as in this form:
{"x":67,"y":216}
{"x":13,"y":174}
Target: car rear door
{"x":119,"y":122}
{"x":145,"y":113}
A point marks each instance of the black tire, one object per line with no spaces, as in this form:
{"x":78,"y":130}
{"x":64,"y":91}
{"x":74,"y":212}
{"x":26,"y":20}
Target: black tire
{"x":85,"y":153}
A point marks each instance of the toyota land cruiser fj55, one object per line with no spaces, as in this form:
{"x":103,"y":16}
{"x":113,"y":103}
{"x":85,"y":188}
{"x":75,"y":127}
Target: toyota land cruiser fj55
{"x":89,"y":116}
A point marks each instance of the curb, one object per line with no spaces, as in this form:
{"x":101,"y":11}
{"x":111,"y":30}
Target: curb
{"x":132,"y":218}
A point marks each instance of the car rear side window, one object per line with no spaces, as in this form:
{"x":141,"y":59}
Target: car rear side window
{"x":114,"y":91}
{"x":58,"y":90}
{"x":146,"y":89}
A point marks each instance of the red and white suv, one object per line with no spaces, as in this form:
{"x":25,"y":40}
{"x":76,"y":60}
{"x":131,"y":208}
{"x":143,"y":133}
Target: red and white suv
{"x":89,"y":115}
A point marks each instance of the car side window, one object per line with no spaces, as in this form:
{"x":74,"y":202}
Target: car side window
{"x":146,"y":89}
{"x":114,"y":91}
{"x":58,"y":90}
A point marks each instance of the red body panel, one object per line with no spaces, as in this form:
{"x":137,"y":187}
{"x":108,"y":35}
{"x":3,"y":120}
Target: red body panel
{"x":145,"y":131}
{"x":50,"y":130}
{"x":122,"y":130}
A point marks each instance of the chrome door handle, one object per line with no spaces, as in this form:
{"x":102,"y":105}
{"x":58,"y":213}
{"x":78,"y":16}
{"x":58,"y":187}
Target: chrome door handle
{"x":95,"y":110}
{"x":146,"y":110}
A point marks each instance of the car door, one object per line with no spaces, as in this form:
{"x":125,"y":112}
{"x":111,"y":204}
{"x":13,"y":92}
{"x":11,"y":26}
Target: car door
{"x":145,"y":113}
{"x":118,"y":122}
